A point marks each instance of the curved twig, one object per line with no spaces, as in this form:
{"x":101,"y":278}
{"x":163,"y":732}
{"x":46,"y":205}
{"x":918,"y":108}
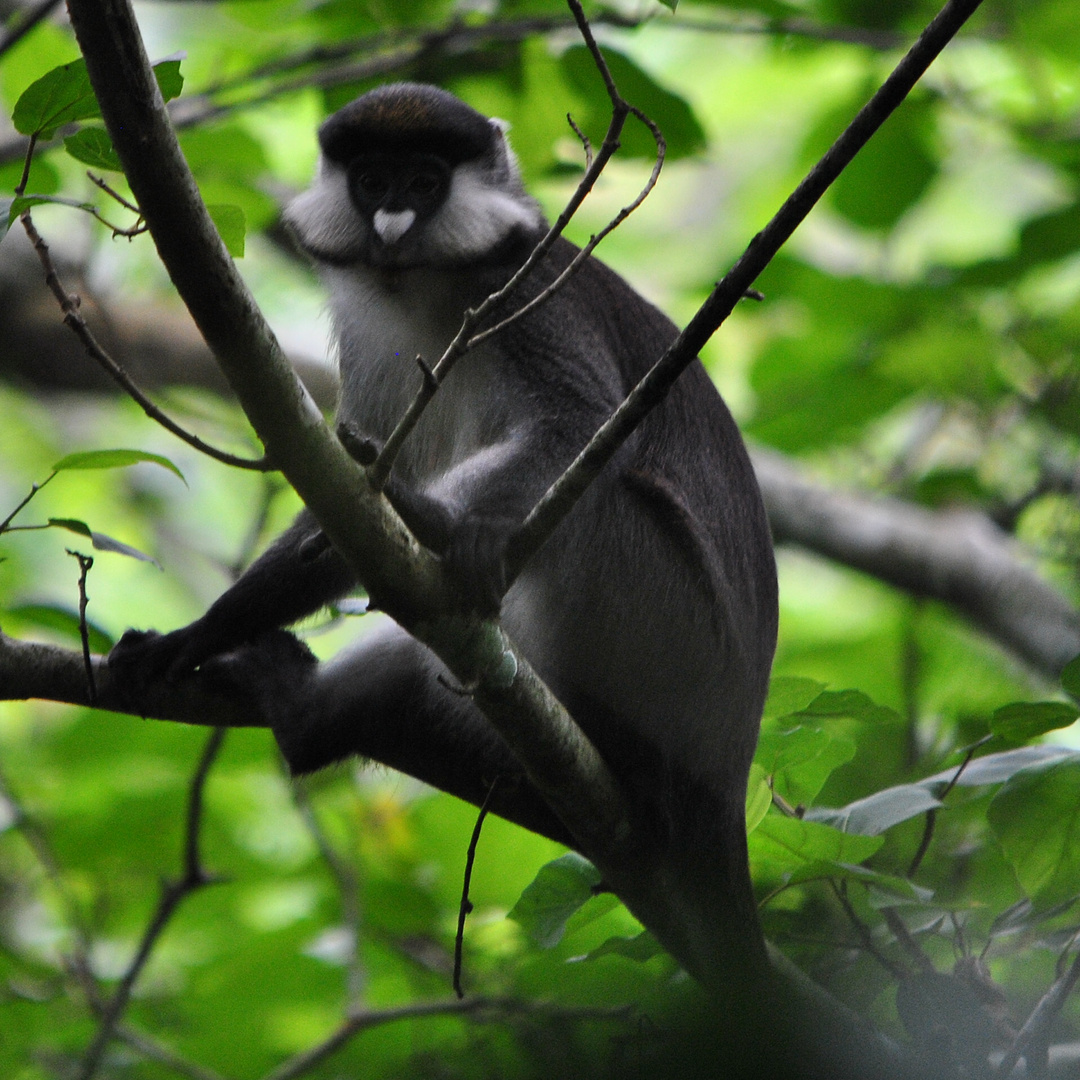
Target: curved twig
{"x":465,"y":907}
{"x":69,"y":305}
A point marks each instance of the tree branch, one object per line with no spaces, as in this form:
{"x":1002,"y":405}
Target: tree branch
{"x":173,"y":893}
{"x":959,"y":557}
{"x":653,"y":388}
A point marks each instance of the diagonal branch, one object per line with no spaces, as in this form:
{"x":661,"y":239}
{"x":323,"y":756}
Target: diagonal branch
{"x":959,"y":557}
{"x":69,"y":305}
{"x":653,"y":388}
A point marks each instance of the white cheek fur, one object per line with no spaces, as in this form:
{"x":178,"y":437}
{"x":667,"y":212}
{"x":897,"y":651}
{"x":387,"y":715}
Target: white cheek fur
{"x":324,"y":217}
{"x":476,"y":217}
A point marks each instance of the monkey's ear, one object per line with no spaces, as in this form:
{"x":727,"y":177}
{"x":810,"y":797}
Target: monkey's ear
{"x":502,"y":125}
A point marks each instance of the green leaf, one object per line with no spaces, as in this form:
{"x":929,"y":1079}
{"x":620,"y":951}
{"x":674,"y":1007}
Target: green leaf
{"x":557,"y":891}
{"x":170,"y":81}
{"x":7,"y":215}
{"x":231,"y":225}
{"x":59,"y":97}
{"x":676,"y":120}
{"x":64,"y":95}
{"x":106,"y":543}
{"x":73,"y":525}
{"x":891,"y":173}
{"x":1024,"y":721}
{"x":999,"y":768}
{"x":64,"y":621}
{"x":27,"y":202}
{"x":641,"y":948}
{"x":876,"y":813}
{"x":798,"y":850}
{"x":113,"y":459}
{"x":789,"y":695}
{"x":758,"y":797}
{"x":800,"y":758}
{"x":101,"y":541}
{"x":1070,"y":678}
{"x":670,"y":4}
{"x":851,"y":703}
{"x":92,"y":146}
{"x":1036,"y":818}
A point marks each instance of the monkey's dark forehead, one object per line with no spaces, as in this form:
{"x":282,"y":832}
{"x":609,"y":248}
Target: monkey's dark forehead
{"x":406,"y":116}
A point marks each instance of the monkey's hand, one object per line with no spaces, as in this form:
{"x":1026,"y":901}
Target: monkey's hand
{"x":472,"y":542}
{"x":144,"y":657}
{"x":475,"y":556}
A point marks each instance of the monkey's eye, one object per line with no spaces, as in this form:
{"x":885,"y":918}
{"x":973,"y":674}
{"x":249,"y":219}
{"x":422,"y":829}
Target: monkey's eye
{"x":372,"y":184}
{"x":425,"y":182}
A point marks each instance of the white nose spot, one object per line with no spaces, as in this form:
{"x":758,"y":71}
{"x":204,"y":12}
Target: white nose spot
{"x":392,"y":225}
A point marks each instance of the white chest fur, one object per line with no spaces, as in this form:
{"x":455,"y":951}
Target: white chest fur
{"x":384,"y":321}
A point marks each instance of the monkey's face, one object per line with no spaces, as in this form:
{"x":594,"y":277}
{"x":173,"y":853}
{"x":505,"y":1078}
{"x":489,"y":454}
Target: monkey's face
{"x":411,"y":177}
{"x":397,"y":192}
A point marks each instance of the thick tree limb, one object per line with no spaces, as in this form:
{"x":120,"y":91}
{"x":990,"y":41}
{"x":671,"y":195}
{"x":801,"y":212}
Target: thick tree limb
{"x":959,"y":557}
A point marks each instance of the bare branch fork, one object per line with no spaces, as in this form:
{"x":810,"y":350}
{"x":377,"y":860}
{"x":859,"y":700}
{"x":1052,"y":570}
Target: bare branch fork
{"x":652,"y":389}
{"x":466,"y":339}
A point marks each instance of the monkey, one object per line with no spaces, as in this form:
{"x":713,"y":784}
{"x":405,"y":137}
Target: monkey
{"x":651,"y":611}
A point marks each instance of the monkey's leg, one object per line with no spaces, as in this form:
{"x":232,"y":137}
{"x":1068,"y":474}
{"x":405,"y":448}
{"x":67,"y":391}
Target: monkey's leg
{"x":389,"y":699}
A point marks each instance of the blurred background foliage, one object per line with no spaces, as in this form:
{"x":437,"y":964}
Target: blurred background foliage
{"x":918,"y":337}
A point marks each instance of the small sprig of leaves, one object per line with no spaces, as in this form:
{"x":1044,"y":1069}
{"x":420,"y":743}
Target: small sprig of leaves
{"x":93,"y":459}
{"x":64,"y":96}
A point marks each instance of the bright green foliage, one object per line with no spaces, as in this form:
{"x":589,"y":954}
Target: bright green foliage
{"x":558,"y":891}
{"x":64,"y":95}
{"x":92,"y":146}
{"x":112,"y":459}
{"x":919,"y":338}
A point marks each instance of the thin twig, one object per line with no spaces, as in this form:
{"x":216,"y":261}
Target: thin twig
{"x":69,"y":305}
{"x":24,"y":179}
{"x":88,"y":208}
{"x":482,"y":1009}
{"x":154,"y":1050}
{"x":85,"y":563}
{"x":931,"y":815}
{"x":465,"y":339}
{"x":172,"y":894}
{"x":104,"y":185}
{"x":653,"y":388}
{"x":863,"y":931}
{"x":586,"y":145}
{"x":1042,"y":1016}
{"x":272,"y":485}
{"x":78,"y":962}
{"x":465,"y":906}
{"x":34,"y":489}
{"x":907,"y":942}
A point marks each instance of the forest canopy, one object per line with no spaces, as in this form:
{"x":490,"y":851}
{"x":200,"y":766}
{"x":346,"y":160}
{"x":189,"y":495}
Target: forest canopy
{"x":907,"y":377}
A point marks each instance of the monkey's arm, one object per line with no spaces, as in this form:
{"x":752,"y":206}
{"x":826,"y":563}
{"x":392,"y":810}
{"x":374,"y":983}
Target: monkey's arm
{"x":468,"y":514}
{"x":296,"y":576}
